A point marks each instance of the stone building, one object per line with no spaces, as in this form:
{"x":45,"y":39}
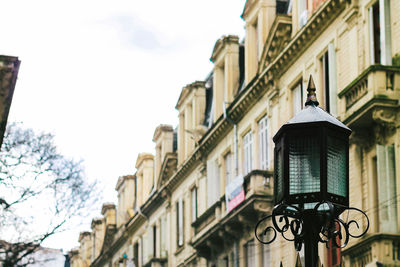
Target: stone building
{"x":196,"y":201}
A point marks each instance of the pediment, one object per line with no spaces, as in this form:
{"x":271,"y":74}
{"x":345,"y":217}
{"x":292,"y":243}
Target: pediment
{"x":168,"y":168}
{"x":278,"y":38}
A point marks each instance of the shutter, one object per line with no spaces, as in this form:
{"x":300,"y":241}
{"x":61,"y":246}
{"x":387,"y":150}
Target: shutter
{"x":213,"y":184}
{"x":180,"y":222}
{"x":210,"y":186}
{"x":386,"y":42}
{"x":371,"y":35}
{"x":163,"y":236}
{"x":150,"y":240}
{"x":332,"y":79}
{"x":386,"y":189}
{"x":144,"y":248}
{"x":250,"y":151}
{"x":130,"y":252}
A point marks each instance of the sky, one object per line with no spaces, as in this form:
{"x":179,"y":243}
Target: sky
{"x":102,"y":75}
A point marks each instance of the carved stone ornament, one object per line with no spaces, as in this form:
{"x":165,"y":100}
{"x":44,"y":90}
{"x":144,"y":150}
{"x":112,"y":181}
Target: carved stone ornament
{"x":362,"y":138}
{"x":386,"y":121}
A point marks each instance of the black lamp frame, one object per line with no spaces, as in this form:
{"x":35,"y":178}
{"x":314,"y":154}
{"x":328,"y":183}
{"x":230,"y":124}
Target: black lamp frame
{"x":312,"y":225}
{"x":320,"y":131}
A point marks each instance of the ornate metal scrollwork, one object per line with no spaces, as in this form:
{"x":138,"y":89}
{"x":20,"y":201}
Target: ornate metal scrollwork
{"x":289,"y":221}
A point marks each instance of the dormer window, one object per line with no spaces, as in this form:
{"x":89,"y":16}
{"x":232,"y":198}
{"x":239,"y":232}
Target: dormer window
{"x":191,"y":107}
{"x":226,"y":72}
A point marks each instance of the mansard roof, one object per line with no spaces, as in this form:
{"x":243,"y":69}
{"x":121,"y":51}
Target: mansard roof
{"x":278,"y":39}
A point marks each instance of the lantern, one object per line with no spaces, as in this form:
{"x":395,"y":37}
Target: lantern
{"x":311,"y":158}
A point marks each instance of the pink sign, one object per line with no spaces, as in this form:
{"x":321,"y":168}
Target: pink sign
{"x":233,"y":203}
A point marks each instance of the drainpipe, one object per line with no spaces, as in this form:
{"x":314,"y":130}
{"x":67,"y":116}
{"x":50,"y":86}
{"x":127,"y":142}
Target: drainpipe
{"x":235,"y":138}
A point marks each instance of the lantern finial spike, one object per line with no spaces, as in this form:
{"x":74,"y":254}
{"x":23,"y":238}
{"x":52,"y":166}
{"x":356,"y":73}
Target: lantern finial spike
{"x":311,"y":96}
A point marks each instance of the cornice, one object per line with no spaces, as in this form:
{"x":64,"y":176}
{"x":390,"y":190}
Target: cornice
{"x":107,"y":206}
{"x":186,"y":92}
{"x":318,"y":22}
{"x":122,"y":179}
{"x":247,"y":7}
{"x":221,"y":44}
{"x":368,"y":239}
{"x":142,"y":157}
{"x":161,"y":128}
{"x":155,"y":201}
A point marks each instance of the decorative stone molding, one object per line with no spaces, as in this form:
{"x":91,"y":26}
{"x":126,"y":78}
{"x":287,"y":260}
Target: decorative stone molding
{"x":387,"y":120}
{"x":362,"y":138}
{"x":161,"y":128}
{"x":278,"y":38}
{"x":220,"y":45}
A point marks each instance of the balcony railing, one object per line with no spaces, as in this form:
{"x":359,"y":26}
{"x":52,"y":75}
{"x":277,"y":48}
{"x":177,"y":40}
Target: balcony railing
{"x":378,"y":84}
{"x":217,"y":221}
{"x":382,"y":248}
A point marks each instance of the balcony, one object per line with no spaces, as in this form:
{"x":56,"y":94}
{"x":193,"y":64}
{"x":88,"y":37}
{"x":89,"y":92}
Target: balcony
{"x":382,"y":248}
{"x":217,"y":228}
{"x":375,"y":91}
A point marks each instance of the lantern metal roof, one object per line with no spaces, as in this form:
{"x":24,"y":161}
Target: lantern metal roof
{"x":311,"y":113}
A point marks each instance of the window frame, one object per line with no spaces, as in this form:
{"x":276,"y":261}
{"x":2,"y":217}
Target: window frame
{"x":263,"y":143}
{"x":247,"y":152}
{"x":180,"y":222}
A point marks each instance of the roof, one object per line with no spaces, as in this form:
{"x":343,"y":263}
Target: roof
{"x":313,"y":113}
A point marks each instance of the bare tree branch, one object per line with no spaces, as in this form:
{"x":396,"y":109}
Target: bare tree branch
{"x":37,"y":181}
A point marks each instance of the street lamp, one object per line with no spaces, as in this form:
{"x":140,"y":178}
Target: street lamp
{"x":311,"y":181}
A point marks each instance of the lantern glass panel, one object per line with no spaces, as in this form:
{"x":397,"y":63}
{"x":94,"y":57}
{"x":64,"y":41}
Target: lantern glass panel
{"x":304,"y":165}
{"x":279,"y":173}
{"x":336,"y":167}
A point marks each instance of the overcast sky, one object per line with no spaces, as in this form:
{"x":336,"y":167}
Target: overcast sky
{"x":101,"y":75}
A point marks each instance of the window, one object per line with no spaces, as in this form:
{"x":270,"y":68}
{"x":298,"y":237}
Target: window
{"x":302,"y":13}
{"x":135,"y":195}
{"x":386,"y":188}
{"x":194,"y":203}
{"x":213,"y":182}
{"x":248,"y":152}
{"x":379,"y":33}
{"x":263,"y":143}
{"x":226,"y":262}
{"x":136,"y":254}
{"x":228,"y":168}
{"x":250,"y":255}
{"x":297,"y":97}
{"x":266,"y":256}
{"x":328,"y":63}
{"x":163,"y":236}
{"x":179,"y":219}
{"x":154,"y":241}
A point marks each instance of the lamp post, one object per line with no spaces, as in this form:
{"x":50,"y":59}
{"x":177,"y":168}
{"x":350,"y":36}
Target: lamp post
{"x":311,"y":182}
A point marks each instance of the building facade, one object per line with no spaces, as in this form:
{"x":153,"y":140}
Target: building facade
{"x":196,"y":201}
